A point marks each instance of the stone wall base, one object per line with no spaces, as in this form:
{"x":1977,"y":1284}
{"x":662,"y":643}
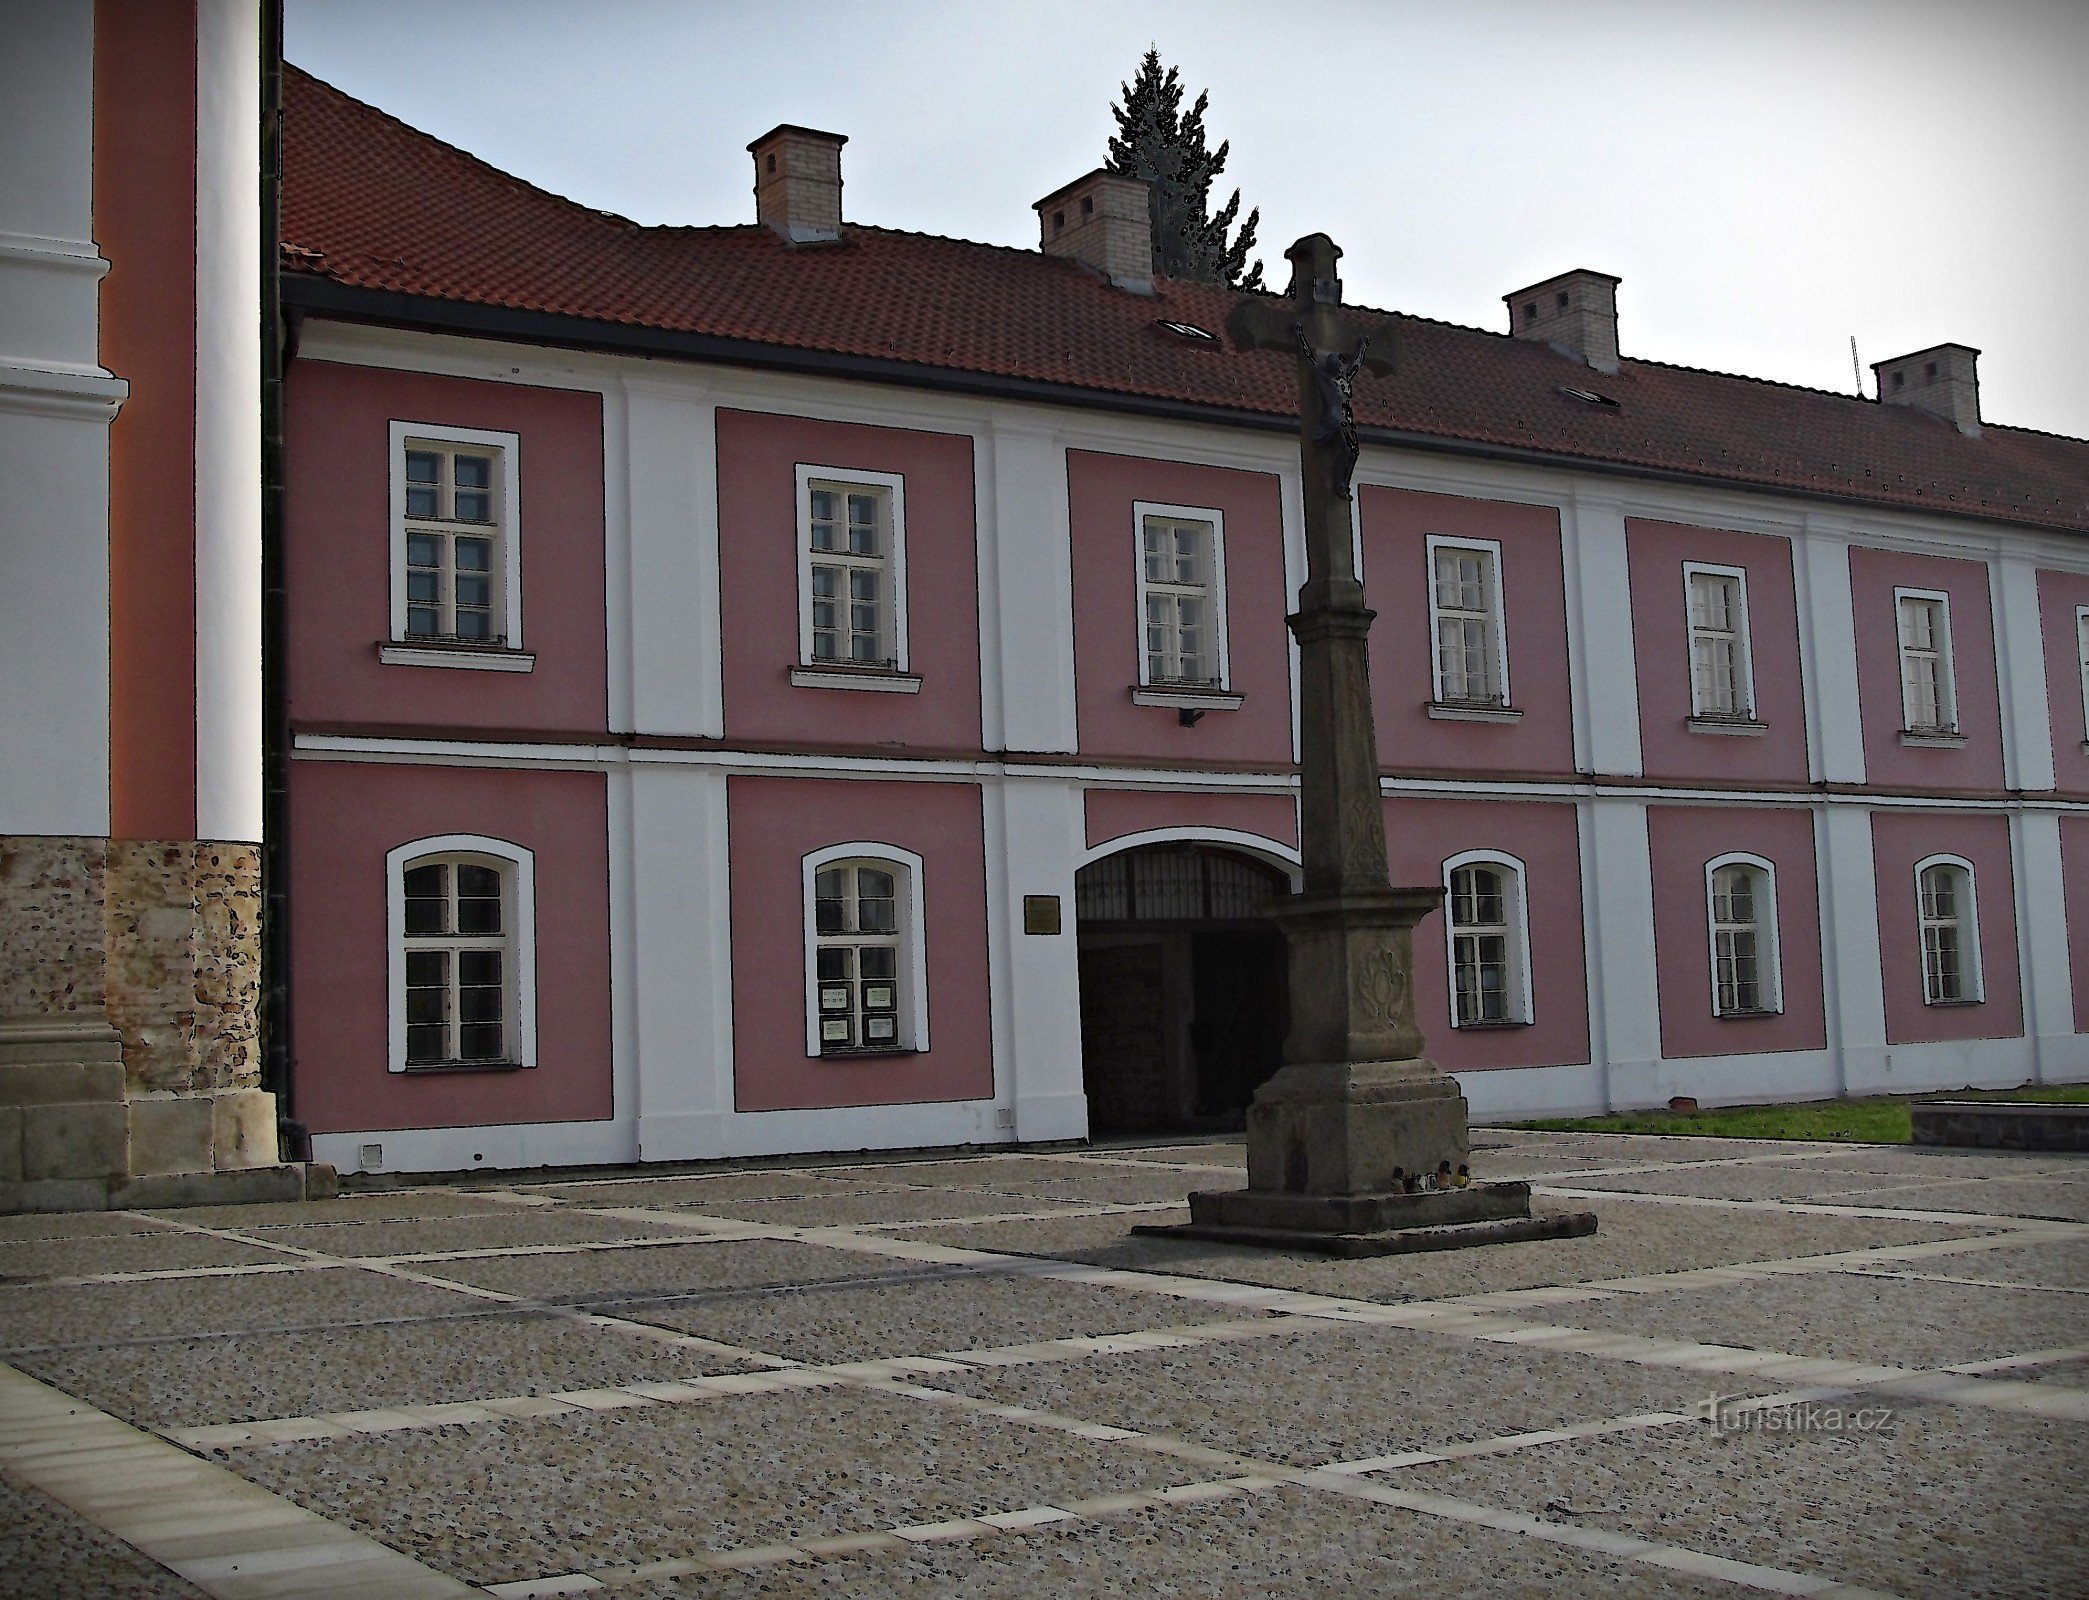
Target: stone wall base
{"x":75,"y":1137}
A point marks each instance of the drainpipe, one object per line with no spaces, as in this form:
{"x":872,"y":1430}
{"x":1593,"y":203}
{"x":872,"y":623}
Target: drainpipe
{"x":295,"y":1142}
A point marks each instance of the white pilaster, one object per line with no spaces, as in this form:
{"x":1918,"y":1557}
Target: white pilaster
{"x":1828,"y":656}
{"x":1603,"y":675}
{"x":670,"y":478}
{"x":2057,"y":1051}
{"x":2027,"y":732}
{"x":1034,"y":843}
{"x":1852,"y":982}
{"x":1026,"y":669}
{"x":680,"y":968}
{"x":56,"y":403}
{"x":228,"y":420}
{"x":1617,"y":912}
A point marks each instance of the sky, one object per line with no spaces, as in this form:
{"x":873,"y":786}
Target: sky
{"x":1770,"y":178}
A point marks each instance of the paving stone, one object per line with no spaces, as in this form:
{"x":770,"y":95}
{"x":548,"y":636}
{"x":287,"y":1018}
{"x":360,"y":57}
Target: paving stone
{"x":192,"y":1383}
{"x":2063,"y":1199}
{"x":1341,"y":1393}
{"x":1220,"y":1154}
{"x":560,"y":1494}
{"x":855,"y":1321}
{"x":1815,"y":1181}
{"x":390,"y":1204}
{"x":1954,"y":1502}
{"x":48,"y":1552}
{"x":1285,"y":1544}
{"x":896,"y":1205}
{"x":781,"y":1184}
{"x":34,"y":1315}
{"x":670,"y":1269}
{"x":508,"y":1230}
{"x":127,"y":1252}
{"x":1897,"y":1322}
{"x":33,"y":1226}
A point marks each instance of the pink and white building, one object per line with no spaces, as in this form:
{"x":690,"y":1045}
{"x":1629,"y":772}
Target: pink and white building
{"x":801,"y":686}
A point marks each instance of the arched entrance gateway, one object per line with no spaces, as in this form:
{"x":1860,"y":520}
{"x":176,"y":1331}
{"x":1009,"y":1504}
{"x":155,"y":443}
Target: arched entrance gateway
{"x":1182,"y":986}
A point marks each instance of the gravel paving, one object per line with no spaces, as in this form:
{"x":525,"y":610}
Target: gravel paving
{"x":771,"y":1185}
{"x":862,"y":1322}
{"x":893,"y":1205}
{"x":47,"y":1550}
{"x":1348,"y":1393}
{"x":507,"y":1231}
{"x":77,"y":1225}
{"x":491,"y":1505}
{"x":194,"y":1382}
{"x":695,"y":1264}
{"x":2064,"y":1199}
{"x":29,"y":1259}
{"x":1285,"y":1544}
{"x":1798,"y":1180}
{"x":1895,"y":1322}
{"x":383,"y":1206}
{"x":1953,"y":1503}
{"x":177,"y":1307}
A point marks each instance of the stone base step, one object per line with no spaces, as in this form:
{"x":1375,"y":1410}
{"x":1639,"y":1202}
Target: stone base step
{"x":1395,"y":1242}
{"x":290,"y":1180}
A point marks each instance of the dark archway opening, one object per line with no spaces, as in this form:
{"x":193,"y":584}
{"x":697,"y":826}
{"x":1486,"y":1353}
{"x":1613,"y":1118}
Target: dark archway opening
{"x":1183,"y":991}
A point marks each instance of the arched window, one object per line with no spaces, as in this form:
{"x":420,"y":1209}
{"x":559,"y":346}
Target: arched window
{"x":1741,"y":912}
{"x":1489,"y":940}
{"x":1950,"y":931}
{"x":866,"y":979}
{"x":462,"y":955}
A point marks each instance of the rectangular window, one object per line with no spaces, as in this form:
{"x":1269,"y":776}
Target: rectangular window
{"x":1470,"y":664}
{"x":2081,"y":629}
{"x":851,"y":571}
{"x":1721,"y":672}
{"x":1182,"y":597}
{"x":456,"y":567}
{"x":1928,"y":702}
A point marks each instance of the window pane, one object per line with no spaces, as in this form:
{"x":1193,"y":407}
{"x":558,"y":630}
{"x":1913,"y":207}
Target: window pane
{"x":423,"y":621}
{"x":474,"y":472}
{"x":421,"y":502}
{"x":863,"y":524}
{"x":474,"y":624}
{"x":474,"y":555}
{"x":473,"y":593}
{"x":424,"y":1043}
{"x":423,"y":550}
{"x":833,"y":963}
{"x":474,"y":505}
{"x":423,"y":466}
{"x":479,"y":1005}
{"x":477,"y":968}
{"x":426,"y":1005}
{"x":878,"y":960}
{"x":479,"y":1041}
{"x":477,"y":881}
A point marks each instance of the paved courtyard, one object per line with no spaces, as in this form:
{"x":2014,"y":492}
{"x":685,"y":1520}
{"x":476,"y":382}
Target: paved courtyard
{"x":964,"y":1377}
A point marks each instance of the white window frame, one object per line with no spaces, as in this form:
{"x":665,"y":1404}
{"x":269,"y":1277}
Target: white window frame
{"x":1968,"y":920}
{"x":518,"y":919}
{"x":1516,"y":903}
{"x":1769,"y":954}
{"x":908,"y":903}
{"x":1947,"y":724}
{"x":2081,"y":639}
{"x":1215,"y":520}
{"x":507,"y":654}
{"x":1497,"y":621}
{"x":821,"y":673}
{"x":1744,"y":644}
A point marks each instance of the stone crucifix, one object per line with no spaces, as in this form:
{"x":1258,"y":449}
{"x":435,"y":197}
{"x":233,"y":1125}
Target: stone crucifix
{"x":1355,"y":1106}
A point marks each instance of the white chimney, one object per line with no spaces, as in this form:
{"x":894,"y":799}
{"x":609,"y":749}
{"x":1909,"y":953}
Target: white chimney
{"x":1576,"y":313}
{"x":797,"y":182}
{"x":1941,"y":381}
{"x":1101,"y":220}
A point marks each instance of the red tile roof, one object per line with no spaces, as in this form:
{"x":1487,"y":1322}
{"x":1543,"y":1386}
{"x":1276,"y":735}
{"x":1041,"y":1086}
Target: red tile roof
{"x":373,"y":204}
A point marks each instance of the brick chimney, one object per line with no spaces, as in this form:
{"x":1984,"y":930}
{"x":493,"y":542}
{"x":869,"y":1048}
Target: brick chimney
{"x":1940,"y":380}
{"x":1576,"y":313}
{"x":1101,"y":220}
{"x":797,"y":182}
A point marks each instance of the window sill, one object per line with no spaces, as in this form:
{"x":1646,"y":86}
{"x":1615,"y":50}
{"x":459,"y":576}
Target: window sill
{"x":1184,"y":697}
{"x":877,"y":680}
{"x":1749,"y":1016}
{"x":464,"y":1066}
{"x":1492,"y":1027}
{"x":865,"y":1055}
{"x":1947,"y":1005}
{"x":1932,"y":738}
{"x":475,"y":658}
{"x":1470,"y":711}
{"x":1747,"y":727}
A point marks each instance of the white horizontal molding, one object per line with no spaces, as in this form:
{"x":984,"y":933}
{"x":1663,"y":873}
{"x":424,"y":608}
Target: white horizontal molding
{"x":1452,"y":711}
{"x":1733,"y":727}
{"x":81,"y":392}
{"x":844,"y":678}
{"x":1188,"y":699}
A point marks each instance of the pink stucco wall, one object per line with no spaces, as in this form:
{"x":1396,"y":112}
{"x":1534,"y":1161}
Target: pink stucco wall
{"x":1101,"y":490}
{"x":1420,"y":836}
{"x":1680,"y":840}
{"x":758,"y":456}
{"x":2059,"y":594}
{"x":1656,"y":553}
{"x":1899,"y":839}
{"x":776,"y":823}
{"x":2074,"y":869}
{"x":1977,"y":766}
{"x":1113,"y":813}
{"x":337,"y":523}
{"x":345,"y":816}
{"x":1396,"y":525}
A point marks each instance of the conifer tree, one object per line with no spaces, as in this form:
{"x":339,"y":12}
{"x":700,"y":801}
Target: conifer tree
{"x":1161,"y":143}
